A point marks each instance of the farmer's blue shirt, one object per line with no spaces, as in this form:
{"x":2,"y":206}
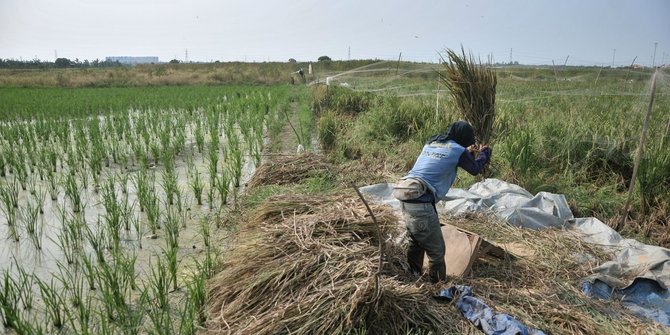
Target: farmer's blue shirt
{"x":437,"y":164}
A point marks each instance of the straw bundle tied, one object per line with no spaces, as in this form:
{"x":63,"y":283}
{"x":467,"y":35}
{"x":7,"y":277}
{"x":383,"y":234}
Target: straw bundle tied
{"x":311,"y":269}
{"x":290,"y":169}
{"x":473,"y":88}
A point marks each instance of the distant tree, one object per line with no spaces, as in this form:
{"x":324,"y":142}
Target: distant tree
{"x":292,"y":60}
{"x":62,"y":62}
{"x":324,"y":59}
{"x":174,"y":61}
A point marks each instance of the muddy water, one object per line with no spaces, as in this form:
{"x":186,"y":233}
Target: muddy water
{"x":50,"y":261}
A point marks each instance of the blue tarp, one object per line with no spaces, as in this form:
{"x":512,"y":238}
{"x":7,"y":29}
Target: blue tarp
{"x":483,"y":316}
{"x":644,"y":298}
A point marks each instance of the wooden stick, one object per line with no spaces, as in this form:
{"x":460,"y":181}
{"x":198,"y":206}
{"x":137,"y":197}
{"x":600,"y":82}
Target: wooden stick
{"x":643,"y":137}
{"x":379,"y":231}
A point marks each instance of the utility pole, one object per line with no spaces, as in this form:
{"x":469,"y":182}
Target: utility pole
{"x":653,"y":61}
{"x":613,"y":54}
{"x":510,"y":56}
{"x":398,"y":65}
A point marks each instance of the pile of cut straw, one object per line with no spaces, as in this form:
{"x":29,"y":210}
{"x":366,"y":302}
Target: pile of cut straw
{"x":311,"y":269}
{"x":290,"y":169}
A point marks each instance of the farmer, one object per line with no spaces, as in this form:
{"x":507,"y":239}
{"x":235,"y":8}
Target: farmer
{"x":427,"y":183}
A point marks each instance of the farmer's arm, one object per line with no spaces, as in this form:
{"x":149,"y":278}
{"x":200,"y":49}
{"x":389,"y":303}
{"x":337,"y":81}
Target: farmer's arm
{"x":474,"y":165}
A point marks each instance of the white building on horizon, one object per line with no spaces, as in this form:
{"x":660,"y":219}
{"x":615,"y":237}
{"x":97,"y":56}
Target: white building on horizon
{"x":132,"y":60}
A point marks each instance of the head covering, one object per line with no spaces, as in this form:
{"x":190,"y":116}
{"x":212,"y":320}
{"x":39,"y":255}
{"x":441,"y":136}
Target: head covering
{"x":460,"y":132}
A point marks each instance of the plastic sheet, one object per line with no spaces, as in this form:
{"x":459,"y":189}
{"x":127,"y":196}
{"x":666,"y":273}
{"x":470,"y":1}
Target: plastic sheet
{"x":482,"y":316}
{"x":628,"y":275}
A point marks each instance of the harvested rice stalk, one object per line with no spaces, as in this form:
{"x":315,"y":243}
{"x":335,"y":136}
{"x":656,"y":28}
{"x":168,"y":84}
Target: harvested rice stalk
{"x":314,"y":272}
{"x":290,"y":169}
{"x":473,"y":88}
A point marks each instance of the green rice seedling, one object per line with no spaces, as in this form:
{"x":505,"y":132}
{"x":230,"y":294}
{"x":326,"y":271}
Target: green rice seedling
{"x":161,"y":321}
{"x":153,"y":211}
{"x":9,"y":195}
{"x":257,"y":152}
{"x":222,"y":186}
{"x":113,"y":211}
{"x":67,"y":246}
{"x":171,"y":256}
{"x":205,"y":232}
{"x":40,"y":196}
{"x":169,"y":184}
{"x":208,"y":264}
{"x":210,"y":197}
{"x":97,"y":239}
{"x":82,"y":303}
{"x":235,"y":163}
{"x":141,"y":183}
{"x":197,"y":187}
{"x":53,"y":181}
{"x":25,"y":287}
{"x":52,"y":155}
{"x":133,"y":318}
{"x":31,"y":185}
{"x":187,"y":317}
{"x":104,"y":325}
{"x":172,"y":228}
{"x":179,"y":200}
{"x":54,"y":303}
{"x":136,"y":223}
{"x":21,"y":172}
{"x":158,"y":285}
{"x":72,"y":191}
{"x":123,"y":181}
{"x":168,"y":160}
{"x":213,"y":159}
{"x":30,"y":213}
{"x":155,"y":152}
{"x":199,"y":136}
{"x":213,"y":136}
{"x":197,"y":296}
{"x":110,"y":279}
{"x":9,"y":301}
{"x":89,"y":271}
{"x":125,"y":262}
{"x":3,"y":173}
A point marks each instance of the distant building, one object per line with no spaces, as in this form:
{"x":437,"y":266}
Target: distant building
{"x":133,"y":60}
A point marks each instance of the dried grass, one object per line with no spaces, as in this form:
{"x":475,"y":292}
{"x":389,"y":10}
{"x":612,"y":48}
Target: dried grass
{"x":544,"y":289}
{"x":311,"y":269}
{"x":290,"y":169}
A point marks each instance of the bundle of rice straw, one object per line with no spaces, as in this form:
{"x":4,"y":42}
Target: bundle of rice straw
{"x":311,"y":268}
{"x":290,"y":169}
{"x":473,"y":88}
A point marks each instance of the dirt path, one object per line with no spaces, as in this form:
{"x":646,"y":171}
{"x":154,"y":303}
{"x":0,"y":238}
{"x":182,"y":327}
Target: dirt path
{"x":287,"y":141}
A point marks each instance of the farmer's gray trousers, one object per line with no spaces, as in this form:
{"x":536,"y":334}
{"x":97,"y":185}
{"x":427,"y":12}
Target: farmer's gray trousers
{"x":425,"y":236}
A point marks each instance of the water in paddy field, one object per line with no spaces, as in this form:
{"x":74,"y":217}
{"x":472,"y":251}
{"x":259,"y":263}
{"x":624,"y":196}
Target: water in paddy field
{"x":42,"y":247}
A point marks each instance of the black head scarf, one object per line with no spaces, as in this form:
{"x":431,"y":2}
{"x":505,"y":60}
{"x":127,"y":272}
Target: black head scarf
{"x":460,"y":132}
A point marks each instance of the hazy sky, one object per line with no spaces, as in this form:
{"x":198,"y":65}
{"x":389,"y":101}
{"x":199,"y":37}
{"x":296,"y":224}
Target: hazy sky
{"x":536,"y":31}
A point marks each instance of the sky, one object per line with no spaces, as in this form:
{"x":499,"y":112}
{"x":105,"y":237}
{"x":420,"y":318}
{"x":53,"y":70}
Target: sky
{"x":572,"y":32}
